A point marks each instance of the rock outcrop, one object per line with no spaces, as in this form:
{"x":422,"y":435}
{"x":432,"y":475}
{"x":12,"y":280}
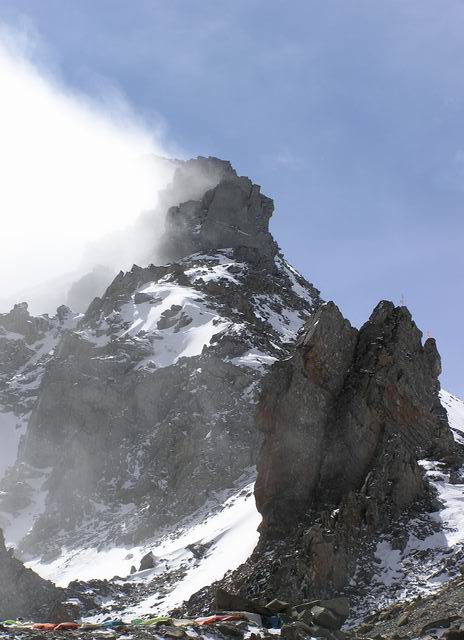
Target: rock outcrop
{"x":234,"y":214}
{"x":346,"y":420}
{"x":22,"y":592}
{"x":350,"y":412}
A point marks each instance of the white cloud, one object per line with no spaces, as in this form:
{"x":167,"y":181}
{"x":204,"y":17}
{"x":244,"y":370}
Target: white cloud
{"x":72,"y":169}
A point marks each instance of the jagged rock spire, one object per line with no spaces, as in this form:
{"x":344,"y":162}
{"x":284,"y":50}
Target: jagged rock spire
{"x":232,"y":214}
{"x":330,"y":413}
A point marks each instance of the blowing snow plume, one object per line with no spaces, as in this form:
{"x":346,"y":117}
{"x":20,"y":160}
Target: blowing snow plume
{"x":76,"y":172}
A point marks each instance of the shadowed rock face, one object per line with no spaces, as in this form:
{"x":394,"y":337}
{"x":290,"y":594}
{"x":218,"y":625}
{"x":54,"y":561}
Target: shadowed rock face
{"x":234,"y":214}
{"x":349,"y":411}
{"x":22,"y":592}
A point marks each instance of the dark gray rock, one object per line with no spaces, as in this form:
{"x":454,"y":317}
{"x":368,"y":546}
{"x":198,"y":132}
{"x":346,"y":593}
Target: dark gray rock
{"x":22,"y":592}
{"x":345,"y":421}
{"x":324,"y":617}
{"x":339,"y":606}
{"x":295,"y":631}
{"x":294,"y":413}
{"x":147,"y":562}
{"x":350,"y":411}
{"x":234,"y":214}
{"x":230,"y":630}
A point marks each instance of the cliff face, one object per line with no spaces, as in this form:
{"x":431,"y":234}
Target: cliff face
{"x":235,"y":214}
{"x":340,"y":407}
{"x":26,"y":345}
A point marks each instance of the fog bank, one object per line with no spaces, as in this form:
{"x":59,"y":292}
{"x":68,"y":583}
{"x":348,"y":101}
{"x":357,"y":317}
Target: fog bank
{"x":76,"y":172}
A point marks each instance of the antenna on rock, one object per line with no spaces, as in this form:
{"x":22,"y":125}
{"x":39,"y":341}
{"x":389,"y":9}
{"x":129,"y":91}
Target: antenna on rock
{"x":402,"y":300}
{"x":429,"y":335}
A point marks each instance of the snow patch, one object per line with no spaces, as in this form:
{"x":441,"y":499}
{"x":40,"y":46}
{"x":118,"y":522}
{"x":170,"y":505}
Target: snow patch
{"x":389,"y":560}
{"x":254,"y":359}
{"x":171,"y":321}
{"x":192,"y":323}
{"x":455,"y":410}
{"x":286,"y":322}
{"x":293,"y":274}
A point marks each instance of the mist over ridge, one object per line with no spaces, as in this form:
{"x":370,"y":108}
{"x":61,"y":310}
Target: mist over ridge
{"x":79,"y":171}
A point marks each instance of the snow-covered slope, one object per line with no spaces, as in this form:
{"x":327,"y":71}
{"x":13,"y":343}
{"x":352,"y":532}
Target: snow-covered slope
{"x":197,"y":552}
{"x":455,"y":410}
{"x":427,"y":551}
{"x":203,"y":548}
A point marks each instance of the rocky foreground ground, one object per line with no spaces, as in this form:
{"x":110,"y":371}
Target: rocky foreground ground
{"x":439,"y":615}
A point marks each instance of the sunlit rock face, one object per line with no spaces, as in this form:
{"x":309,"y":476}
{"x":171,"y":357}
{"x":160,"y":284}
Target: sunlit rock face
{"x":145,"y":410}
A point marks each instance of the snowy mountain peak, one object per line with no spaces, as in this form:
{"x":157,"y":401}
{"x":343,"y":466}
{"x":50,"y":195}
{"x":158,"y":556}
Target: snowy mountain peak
{"x":145,"y":397}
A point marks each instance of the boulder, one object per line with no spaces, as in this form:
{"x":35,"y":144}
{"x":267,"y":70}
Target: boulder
{"x":225,"y":601}
{"x":326,"y":618}
{"x":295,"y":631}
{"x":278,"y":606}
{"x":339,"y":606}
{"x":230,"y":630}
{"x":147,"y":562}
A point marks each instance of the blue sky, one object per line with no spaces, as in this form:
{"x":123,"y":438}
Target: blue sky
{"x":349,"y":113}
